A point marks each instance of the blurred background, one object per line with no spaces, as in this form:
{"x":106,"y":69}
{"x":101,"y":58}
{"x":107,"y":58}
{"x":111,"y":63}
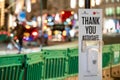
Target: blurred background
{"x":53,"y":16}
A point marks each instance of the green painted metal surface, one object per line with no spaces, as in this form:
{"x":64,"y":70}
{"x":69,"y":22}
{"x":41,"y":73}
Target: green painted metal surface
{"x":72,"y":55}
{"x":4,"y":37}
{"x":54,"y":64}
{"x":106,"y":55}
{"x":116,"y":54}
{"x":106,"y":49}
{"x":34,"y":65}
{"x":50,"y":64}
{"x":106,"y":59}
{"x":11,"y":67}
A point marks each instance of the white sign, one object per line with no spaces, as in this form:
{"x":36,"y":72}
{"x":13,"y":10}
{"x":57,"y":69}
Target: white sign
{"x":90,"y":44}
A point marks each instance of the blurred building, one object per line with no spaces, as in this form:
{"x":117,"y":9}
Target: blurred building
{"x":11,"y":9}
{"x":111,"y":10}
{"x":1,"y":13}
{"x":111,"y":15}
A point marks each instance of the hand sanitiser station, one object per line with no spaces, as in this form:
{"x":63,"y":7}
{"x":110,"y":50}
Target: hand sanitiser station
{"x":90,"y":44}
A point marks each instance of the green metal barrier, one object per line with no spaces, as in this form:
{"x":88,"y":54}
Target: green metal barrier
{"x":105,"y":59}
{"x":106,"y":55}
{"x":72,"y":61}
{"x":116,"y":54}
{"x":11,"y":67}
{"x":34,"y":65}
{"x":54,"y":64}
{"x":4,"y":37}
{"x":50,"y":64}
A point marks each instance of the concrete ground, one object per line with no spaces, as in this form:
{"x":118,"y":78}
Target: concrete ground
{"x":52,"y":45}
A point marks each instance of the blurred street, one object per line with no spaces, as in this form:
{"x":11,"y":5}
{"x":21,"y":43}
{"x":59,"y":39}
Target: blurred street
{"x":33,"y":48}
{"x":108,"y":39}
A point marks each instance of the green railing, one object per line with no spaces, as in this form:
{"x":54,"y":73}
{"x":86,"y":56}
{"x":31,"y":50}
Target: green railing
{"x":11,"y":67}
{"x":106,"y":55}
{"x":50,"y":64}
{"x":33,"y":66}
{"x":116,"y":54}
{"x":54,"y":64}
{"x":4,"y":37}
{"x":72,"y":56}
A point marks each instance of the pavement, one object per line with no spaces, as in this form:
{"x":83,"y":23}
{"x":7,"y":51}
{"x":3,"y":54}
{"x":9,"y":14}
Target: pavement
{"x":72,"y":44}
{"x":53,"y":45}
{"x":108,"y":39}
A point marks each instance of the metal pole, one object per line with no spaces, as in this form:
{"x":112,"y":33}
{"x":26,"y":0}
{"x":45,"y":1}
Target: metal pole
{"x":87,"y":4}
{"x":41,"y":7}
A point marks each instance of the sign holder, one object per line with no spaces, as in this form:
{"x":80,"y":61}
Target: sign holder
{"x":90,"y":44}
